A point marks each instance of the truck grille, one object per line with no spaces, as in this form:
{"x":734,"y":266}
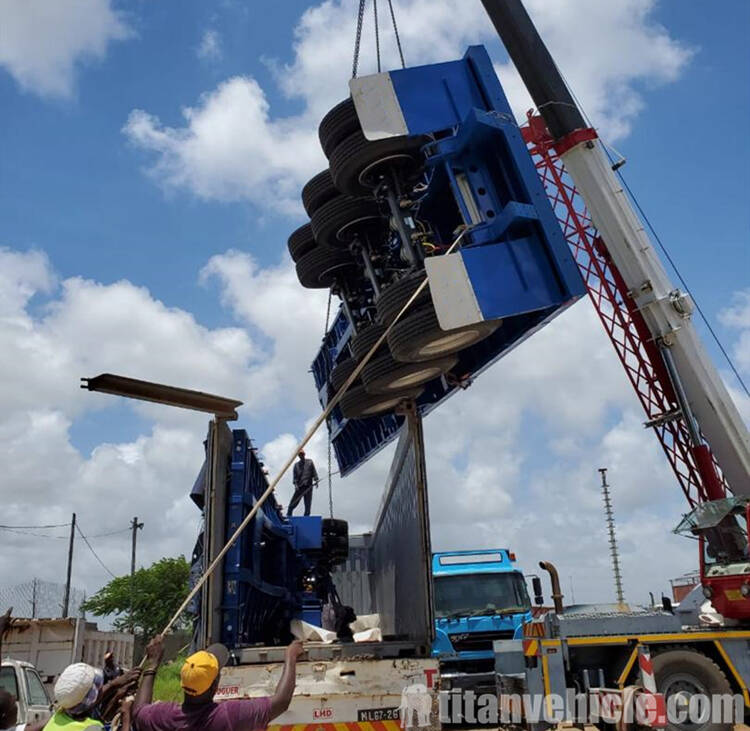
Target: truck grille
{"x":478,"y":641}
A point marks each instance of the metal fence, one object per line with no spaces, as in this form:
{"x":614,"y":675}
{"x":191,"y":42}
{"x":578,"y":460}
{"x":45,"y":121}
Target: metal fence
{"x":40,"y":599}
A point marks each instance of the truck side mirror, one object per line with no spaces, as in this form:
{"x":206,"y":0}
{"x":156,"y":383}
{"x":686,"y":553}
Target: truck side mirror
{"x":536,"y":585}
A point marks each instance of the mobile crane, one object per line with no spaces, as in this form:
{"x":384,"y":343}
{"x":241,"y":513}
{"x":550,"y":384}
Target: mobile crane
{"x":648,"y":319}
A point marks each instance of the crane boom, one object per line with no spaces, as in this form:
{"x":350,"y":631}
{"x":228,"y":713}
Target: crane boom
{"x":699,"y":391}
{"x":696,"y":420}
{"x":667,"y":312}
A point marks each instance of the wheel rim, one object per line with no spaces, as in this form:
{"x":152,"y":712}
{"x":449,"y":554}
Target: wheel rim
{"x":345,"y":232}
{"x":328,"y":276}
{"x":411,"y":379}
{"x":384,"y":405}
{"x":450,"y":342}
{"x":368,"y":173}
{"x":684,"y":686}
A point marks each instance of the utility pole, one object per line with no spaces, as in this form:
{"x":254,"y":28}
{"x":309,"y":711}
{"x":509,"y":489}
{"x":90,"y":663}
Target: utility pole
{"x":135,"y":526}
{"x":33,"y":599}
{"x":612,"y":540}
{"x":66,"y":597}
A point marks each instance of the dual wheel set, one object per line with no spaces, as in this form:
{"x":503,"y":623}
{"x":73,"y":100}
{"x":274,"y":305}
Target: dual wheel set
{"x":366,"y":242}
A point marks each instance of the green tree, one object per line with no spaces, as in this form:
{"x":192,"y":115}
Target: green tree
{"x":157,"y":592}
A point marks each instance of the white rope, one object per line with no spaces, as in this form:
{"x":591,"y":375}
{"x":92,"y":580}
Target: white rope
{"x":308,"y":436}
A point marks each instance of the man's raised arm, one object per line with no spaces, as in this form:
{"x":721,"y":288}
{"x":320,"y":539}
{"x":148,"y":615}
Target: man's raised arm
{"x":282,"y":697}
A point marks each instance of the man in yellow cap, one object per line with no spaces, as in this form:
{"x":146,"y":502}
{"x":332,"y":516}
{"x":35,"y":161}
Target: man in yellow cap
{"x":200,"y":679}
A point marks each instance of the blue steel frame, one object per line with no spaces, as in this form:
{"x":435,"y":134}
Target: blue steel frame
{"x":515,"y":255}
{"x":263,"y":567}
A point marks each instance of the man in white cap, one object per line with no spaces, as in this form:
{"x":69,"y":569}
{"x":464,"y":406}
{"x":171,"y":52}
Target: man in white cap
{"x":76,"y":694}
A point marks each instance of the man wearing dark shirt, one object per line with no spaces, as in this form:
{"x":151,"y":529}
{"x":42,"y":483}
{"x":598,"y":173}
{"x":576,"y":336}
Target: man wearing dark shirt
{"x":303,"y":477}
{"x":111,"y":669}
{"x":200,"y":679}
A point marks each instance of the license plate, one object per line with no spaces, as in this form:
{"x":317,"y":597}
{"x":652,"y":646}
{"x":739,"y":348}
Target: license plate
{"x":378,"y":714}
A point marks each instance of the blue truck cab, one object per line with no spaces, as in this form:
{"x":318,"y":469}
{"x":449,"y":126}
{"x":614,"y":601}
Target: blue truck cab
{"x":480,"y":597}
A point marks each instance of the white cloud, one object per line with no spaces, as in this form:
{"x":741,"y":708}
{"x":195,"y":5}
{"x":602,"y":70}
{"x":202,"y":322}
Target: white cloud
{"x":42,"y":43}
{"x":737,"y":317}
{"x":514,"y":457}
{"x":288,"y":317}
{"x":210,"y":48}
{"x":53,"y":332}
{"x":230,"y":148}
{"x":233,"y":147}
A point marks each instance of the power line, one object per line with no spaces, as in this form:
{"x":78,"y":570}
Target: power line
{"x":96,"y":555}
{"x":36,"y":527}
{"x":111,"y":533}
{"x":18,"y":532}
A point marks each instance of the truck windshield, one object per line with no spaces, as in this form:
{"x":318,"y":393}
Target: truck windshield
{"x":480,"y":594}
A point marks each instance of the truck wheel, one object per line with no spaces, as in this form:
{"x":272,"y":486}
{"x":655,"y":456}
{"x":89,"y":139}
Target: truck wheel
{"x":300,"y":242}
{"x":356,"y":403}
{"x":368,"y":335}
{"x":318,"y":268}
{"x":418,"y":336}
{"x":355,"y":161}
{"x":684,"y":672}
{"x":397,"y":294}
{"x":386,"y":375}
{"x":335,"y":222}
{"x":317,"y":191}
{"x":335,"y":543}
{"x":337,"y":125}
{"x":340,"y":372}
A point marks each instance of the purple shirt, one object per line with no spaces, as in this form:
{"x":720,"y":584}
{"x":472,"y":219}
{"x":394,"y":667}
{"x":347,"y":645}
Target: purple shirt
{"x":250,"y":714}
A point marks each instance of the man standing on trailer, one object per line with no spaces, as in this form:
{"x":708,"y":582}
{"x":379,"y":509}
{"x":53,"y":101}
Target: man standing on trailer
{"x":304,"y":476}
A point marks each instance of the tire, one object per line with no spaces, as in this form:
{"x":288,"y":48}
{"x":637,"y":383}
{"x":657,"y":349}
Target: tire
{"x":335,"y":539}
{"x":337,"y":125}
{"x":356,"y":403}
{"x":318,"y":268}
{"x":335,"y":223}
{"x":301,"y":242}
{"x":355,"y":158}
{"x":361,"y":343}
{"x":397,"y":294}
{"x":317,"y":191}
{"x":683,"y":669}
{"x":418,"y":336}
{"x":387,"y":375}
{"x":340,"y":372}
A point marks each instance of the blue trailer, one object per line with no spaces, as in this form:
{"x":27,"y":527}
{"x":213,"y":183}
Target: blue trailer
{"x":480,"y":596}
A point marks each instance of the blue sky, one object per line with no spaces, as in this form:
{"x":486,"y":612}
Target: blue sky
{"x":110,"y":196}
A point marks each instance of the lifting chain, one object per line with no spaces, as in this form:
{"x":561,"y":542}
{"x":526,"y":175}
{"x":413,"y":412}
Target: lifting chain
{"x":358,"y":34}
{"x":395,"y":32}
